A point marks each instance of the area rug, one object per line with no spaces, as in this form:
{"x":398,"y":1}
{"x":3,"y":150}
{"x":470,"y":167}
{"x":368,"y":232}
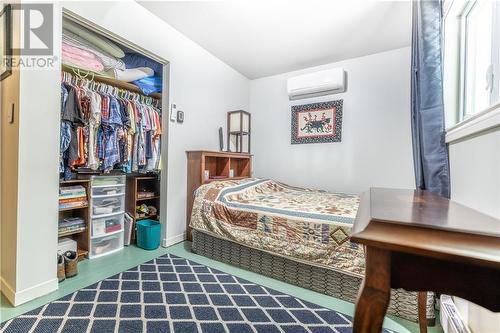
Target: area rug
{"x":173,"y":294}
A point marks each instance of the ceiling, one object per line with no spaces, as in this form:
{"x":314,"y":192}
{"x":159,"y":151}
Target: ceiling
{"x":263,"y":38}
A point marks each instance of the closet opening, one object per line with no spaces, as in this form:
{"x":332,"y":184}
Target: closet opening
{"x":113,"y":140}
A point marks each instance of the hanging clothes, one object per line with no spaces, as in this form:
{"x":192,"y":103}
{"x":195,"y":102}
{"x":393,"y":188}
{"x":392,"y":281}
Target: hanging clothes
{"x":72,"y":113}
{"x":103,"y":128}
{"x":94,"y":123}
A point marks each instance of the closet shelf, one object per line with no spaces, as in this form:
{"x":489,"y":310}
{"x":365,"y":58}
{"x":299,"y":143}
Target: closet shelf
{"x":114,"y":82}
{"x":73,"y":181}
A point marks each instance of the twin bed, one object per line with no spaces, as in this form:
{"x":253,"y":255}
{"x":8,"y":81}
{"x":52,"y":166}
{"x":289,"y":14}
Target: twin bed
{"x":297,"y":235}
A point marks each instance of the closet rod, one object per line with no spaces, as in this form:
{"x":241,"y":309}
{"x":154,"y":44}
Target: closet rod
{"x":113,"y":82}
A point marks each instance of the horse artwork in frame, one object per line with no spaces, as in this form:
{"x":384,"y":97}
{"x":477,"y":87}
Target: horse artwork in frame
{"x":317,"y":122}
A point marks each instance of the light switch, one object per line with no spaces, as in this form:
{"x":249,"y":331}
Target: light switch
{"x":173,"y":112}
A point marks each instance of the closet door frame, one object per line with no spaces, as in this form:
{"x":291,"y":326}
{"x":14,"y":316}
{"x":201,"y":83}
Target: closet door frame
{"x":165,"y":102}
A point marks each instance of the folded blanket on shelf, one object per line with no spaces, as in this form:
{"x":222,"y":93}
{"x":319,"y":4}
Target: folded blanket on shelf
{"x":70,"y":193}
{"x":80,"y":199}
{"x":86,"y":60}
{"x":73,"y":204}
{"x":102,"y":43}
{"x":71,"y":222}
{"x":149,"y":85}
{"x":109,"y":62}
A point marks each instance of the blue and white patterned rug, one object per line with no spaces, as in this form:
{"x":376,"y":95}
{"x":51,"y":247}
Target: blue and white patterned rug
{"x":173,"y":294}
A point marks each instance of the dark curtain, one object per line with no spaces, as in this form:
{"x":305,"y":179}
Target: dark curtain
{"x":430,"y":153}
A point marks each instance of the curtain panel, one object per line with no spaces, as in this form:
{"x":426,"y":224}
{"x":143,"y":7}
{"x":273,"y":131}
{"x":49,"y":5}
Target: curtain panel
{"x":430,"y":152}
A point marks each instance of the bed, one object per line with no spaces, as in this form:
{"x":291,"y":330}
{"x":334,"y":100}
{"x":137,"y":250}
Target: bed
{"x":297,"y":235}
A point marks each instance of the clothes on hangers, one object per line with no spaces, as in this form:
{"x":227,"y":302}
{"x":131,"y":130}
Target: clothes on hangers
{"x":103,"y":128}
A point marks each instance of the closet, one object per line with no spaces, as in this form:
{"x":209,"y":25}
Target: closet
{"x":111,"y":138}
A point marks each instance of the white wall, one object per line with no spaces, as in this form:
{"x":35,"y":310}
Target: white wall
{"x":9,"y":96}
{"x":38,"y":181}
{"x":475,"y":182}
{"x":201,"y":85}
{"x":376,"y":141}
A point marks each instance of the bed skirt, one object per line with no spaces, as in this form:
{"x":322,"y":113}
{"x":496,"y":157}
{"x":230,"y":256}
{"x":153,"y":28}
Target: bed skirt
{"x":403,"y":304}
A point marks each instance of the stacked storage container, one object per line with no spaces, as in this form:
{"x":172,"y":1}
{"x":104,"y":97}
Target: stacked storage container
{"x":107,"y":206}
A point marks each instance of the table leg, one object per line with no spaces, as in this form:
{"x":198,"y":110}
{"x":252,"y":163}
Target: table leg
{"x":375,"y":292}
{"x":422,"y":311}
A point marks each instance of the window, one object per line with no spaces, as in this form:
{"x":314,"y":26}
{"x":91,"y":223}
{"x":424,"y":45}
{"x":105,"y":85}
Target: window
{"x":471,"y":57}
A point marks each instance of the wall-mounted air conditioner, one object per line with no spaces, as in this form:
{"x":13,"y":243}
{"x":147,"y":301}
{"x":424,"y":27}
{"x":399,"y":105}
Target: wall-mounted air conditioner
{"x":326,"y":82}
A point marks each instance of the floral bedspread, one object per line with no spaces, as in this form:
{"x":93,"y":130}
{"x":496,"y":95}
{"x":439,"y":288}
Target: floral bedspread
{"x":306,"y":225}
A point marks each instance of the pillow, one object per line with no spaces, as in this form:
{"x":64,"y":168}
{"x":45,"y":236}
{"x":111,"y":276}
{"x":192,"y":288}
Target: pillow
{"x":133,"y":60}
{"x":132,"y":74}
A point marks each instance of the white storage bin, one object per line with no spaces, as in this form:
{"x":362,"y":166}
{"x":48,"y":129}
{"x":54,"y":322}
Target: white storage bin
{"x":106,"y":245}
{"x":103,"y":226}
{"x":105,"y":181}
{"x":108,"y":191}
{"x":108,"y":205}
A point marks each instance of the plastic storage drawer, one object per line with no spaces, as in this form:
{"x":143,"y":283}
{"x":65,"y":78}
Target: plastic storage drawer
{"x":108,"y":190}
{"x":105,"y":181}
{"x":106,"y":225}
{"x":107,"y":206}
{"x":106,"y":245}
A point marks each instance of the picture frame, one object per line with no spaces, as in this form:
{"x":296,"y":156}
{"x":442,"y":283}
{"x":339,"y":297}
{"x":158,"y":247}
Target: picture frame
{"x":5,"y":41}
{"x":317,"y":122}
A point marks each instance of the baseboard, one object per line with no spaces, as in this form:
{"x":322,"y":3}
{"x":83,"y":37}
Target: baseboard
{"x":7,"y":291}
{"x":31,"y":293}
{"x":174,"y":240}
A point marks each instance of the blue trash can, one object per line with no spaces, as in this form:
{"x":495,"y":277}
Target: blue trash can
{"x":148,"y":234}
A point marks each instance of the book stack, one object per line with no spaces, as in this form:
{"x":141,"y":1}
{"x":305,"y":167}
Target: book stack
{"x":71,"y":225}
{"x":72,"y":197}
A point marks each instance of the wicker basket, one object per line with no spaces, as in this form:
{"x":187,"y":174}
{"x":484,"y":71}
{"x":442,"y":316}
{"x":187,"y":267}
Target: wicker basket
{"x":403,"y":304}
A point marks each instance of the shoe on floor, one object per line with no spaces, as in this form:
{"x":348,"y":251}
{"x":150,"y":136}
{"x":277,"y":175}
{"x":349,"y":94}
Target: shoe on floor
{"x":61,"y":275}
{"x":71,"y":263}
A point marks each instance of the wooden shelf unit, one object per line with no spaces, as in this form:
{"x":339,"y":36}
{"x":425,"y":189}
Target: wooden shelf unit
{"x":218,"y":164}
{"x":135,"y":184}
{"x":82,"y":237}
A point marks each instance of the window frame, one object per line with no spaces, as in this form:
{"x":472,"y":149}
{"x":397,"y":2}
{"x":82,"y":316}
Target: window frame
{"x":462,"y":9}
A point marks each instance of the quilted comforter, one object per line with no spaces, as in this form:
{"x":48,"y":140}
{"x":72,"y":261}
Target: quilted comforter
{"x":301,"y":224}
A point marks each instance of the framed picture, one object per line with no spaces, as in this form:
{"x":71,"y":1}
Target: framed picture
{"x":5,"y":42}
{"x":317,"y":122}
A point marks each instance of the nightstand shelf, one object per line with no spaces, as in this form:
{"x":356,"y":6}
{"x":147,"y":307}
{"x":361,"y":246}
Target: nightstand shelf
{"x":209,"y":166}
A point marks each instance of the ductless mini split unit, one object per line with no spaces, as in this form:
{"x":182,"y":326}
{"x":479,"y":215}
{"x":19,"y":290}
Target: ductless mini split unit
{"x":326,"y":82}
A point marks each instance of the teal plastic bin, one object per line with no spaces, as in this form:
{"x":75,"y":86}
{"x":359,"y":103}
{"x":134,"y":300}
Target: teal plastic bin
{"x":148,"y":234}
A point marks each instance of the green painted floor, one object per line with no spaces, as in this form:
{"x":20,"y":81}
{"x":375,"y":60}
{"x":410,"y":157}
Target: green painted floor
{"x":95,"y":270}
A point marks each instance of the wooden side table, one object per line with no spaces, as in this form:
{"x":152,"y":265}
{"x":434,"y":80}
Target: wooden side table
{"x":419,"y":241}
